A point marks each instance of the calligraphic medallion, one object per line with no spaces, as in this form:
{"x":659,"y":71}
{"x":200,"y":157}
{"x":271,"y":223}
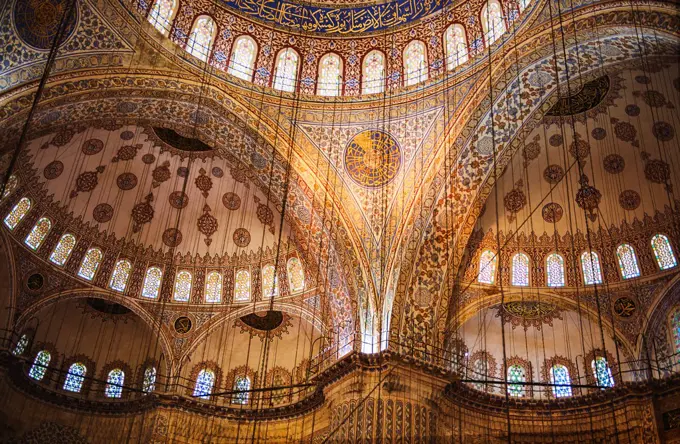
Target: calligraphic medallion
{"x":372,"y":158}
{"x":624,"y":307}
{"x":37,"y":21}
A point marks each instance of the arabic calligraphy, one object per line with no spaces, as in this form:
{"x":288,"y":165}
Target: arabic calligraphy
{"x":336,"y":20}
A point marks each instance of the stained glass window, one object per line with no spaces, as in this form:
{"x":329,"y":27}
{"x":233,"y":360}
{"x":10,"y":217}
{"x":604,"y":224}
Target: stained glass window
{"x":201,"y":37}
{"x":487,"y":267}
{"x":602,"y":372}
{"x":675,"y":328}
{"x":270,"y":284}
{"x":63,"y":250}
{"x":492,"y":21}
{"x":39,"y":367}
{"x":480,"y":367}
{"x":161,"y":15}
{"x":38,"y":233}
{"x":243,"y":55}
{"x":152,"y":282}
{"x":11,"y":186}
{"x":590,"y":263}
{"x":559,"y":375}
{"x":20,"y":346}
{"x":88,"y":268}
{"x":18,"y":212}
{"x":296,"y":275}
{"x":523,"y":4}
{"x":75,"y":377}
{"x":516,"y":374}
{"x":329,"y":82}
{"x":114,"y":383}
{"x":520,"y":270}
{"x":182,"y":286}
{"x":286,"y":71}
{"x":279,"y":396}
{"x":204,"y":384}
{"x":149,"y":383}
{"x":241,"y":385}
{"x":373,"y":73}
{"x":415,"y":63}
{"x":627,"y":261}
{"x":554,"y":266}
{"x":120,"y":275}
{"x":242,"y":286}
{"x":456,"y":46}
{"x":213,"y":287}
{"x":663,"y":252}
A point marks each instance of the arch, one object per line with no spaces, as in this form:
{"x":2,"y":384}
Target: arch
{"x":493,"y":23}
{"x":455,"y":43}
{"x":602,"y":372}
{"x":561,"y":380}
{"x":20,"y":345}
{"x":518,"y":372}
{"x":330,"y":76}
{"x":120,"y":275}
{"x":162,"y":14}
{"x":286,"y":70}
{"x":590,"y":265}
{"x":241,"y":388}
{"x":373,"y":73}
{"x":520,"y":270}
{"x":149,"y":379}
{"x":415,"y":63}
{"x":270,"y":282}
{"x":242,"y":60}
{"x":213,"y":287}
{"x":663,"y":252}
{"x":75,"y":377}
{"x":487,"y":267}
{"x":554,"y":270}
{"x":114,"y":383}
{"x":523,"y":4}
{"x":11,"y":185}
{"x":40,"y":364}
{"x":674,"y":327}
{"x":242,"y":286}
{"x":628,"y":264}
{"x":18,"y":212}
{"x":183,"y":282}
{"x":152,"y":282}
{"x":296,"y":275}
{"x":90,"y":263}
{"x":201,"y":37}
{"x":38,"y":233}
{"x":205,"y":382}
{"x":63,"y":250}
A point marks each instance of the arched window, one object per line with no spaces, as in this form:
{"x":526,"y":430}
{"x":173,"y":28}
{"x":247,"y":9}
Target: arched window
{"x":559,"y":375}
{"x":286,"y":71}
{"x":554,"y":266}
{"x":63,"y":250}
{"x":590,"y":264}
{"x":487,"y":267}
{"x":663,"y":252}
{"x":152,"y":282}
{"x":493,"y":23}
{"x":182,"y":286}
{"x":241,"y":385}
{"x":242,"y":286}
{"x":149,"y":383}
{"x":18,"y":212}
{"x":204,"y":384}
{"x":415,"y":63}
{"x":120,"y":275}
{"x":373,"y":73}
{"x":270,"y":283}
{"x":675,"y":329}
{"x":520,"y":270}
{"x":20,"y":346}
{"x":114,"y":383}
{"x":201,"y":37}
{"x":329,"y":82}
{"x":75,"y":377}
{"x":242,"y":62}
{"x":627,"y":261}
{"x":90,"y":263}
{"x":482,"y":370}
{"x":213,"y":287}
{"x":38,"y":233}
{"x":602,"y":372}
{"x":455,"y":41}
{"x":39,"y":367}
{"x":517,"y":375}
{"x":11,"y":186}
{"x":523,"y":4}
{"x":296,"y":275}
{"x":161,"y":15}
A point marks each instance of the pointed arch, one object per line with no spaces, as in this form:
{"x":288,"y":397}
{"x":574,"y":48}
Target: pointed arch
{"x":455,"y":43}
{"x":493,"y":23}
{"x":373,"y":73}
{"x":75,"y":377}
{"x":90,"y":263}
{"x":202,"y":37}
{"x":330,"y":76}
{"x":415,"y":63}
{"x":205,"y":382}
{"x":40,"y":364}
{"x":286,"y":70}
{"x":114,"y":383}
{"x":38,"y":233}
{"x":162,"y":14}
{"x":242,"y":60}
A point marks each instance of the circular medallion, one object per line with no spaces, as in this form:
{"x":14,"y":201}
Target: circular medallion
{"x":53,"y":170}
{"x":629,"y":200}
{"x":172,"y":237}
{"x":598,"y":133}
{"x":127,"y":135}
{"x":178,"y":199}
{"x":657,"y":171}
{"x":231,"y":200}
{"x":654,"y":98}
{"x":663,"y":131}
{"x":531,"y":151}
{"x":624,"y":307}
{"x":556,"y":140}
{"x":579,"y":149}
{"x":126,"y":181}
{"x":102,"y":213}
{"x":257,"y":160}
{"x":182,"y":171}
{"x":633,"y":110}
{"x":553,"y":174}
{"x":515,"y":200}
{"x":217,"y":172}
{"x":35,"y":282}
{"x":241,"y":237}
{"x":148,"y":159}
{"x":37,"y":22}
{"x":614,"y":164}
{"x":552,"y":212}
{"x":625,"y":131}
{"x":183,"y":325}
{"x":92,"y":146}
{"x":372,"y":158}
{"x":644,"y":80}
